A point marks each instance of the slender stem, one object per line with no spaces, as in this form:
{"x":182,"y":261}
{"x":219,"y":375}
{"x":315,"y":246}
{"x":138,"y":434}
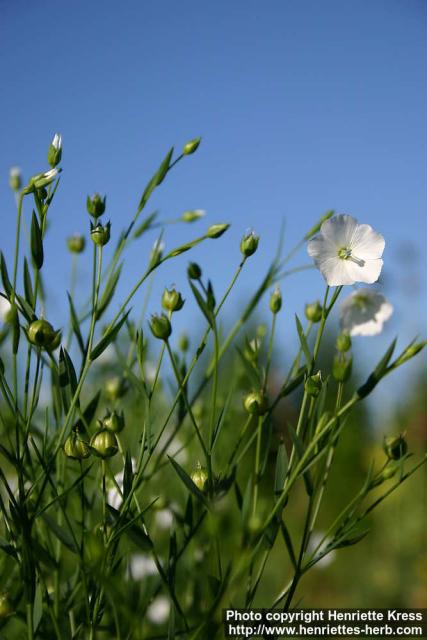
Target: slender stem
{"x":257,"y":464}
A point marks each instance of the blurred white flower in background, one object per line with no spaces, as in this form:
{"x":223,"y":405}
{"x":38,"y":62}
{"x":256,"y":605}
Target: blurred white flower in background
{"x":327,"y":559}
{"x":346,"y":252}
{"x":158,"y":611}
{"x":4,"y":308}
{"x":364,"y":312}
{"x":141,"y":566}
{"x":164,"y":518}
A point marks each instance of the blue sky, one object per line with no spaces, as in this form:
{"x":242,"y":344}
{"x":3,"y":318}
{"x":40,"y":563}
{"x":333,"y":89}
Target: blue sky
{"x":303,"y":106}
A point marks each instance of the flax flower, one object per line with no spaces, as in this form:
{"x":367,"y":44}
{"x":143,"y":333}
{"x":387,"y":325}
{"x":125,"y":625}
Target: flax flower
{"x":347,"y":252}
{"x":364,"y":312}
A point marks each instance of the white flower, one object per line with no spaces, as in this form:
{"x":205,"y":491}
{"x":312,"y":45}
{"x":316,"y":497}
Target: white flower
{"x":140,"y":566}
{"x":4,"y":308}
{"x":164,"y":518}
{"x":57,"y":141}
{"x":364,"y":312}
{"x":15,"y":172}
{"x":347,"y":252}
{"x":158,"y":611}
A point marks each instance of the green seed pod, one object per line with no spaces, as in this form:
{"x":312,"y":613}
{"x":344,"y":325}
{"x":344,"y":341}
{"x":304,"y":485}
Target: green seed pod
{"x":313,"y":385}
{"x":341,"y":367}
{"x":76,"y":448}
{"x":115,"y":388}
{"x":114,"y":421}
{"x":96,"y":205}
{"x":199,"y":477}
{"x":6,"y":608}
{"x":15,"y":179}
{"x":76,"y":243}
{"x":395,"y":447}
{"x":54,"y":153}
{"x":194,"y":271}
{"x":100,"y":235}
{"x":216,"y":230}
{"x":160,"y":326}
{"x":41,"y":333}
{"x":313,"y":311}
{"x":256,"y":403}
{"x":193,"y":215}
{"x":172,"y":300}
{"x":104,"y":443}
{"x":276,"y":301}
{"x":343,"y":342}
{"x":183,"y":342}
{"x":249,"y":244}
{"x":191,"y":146}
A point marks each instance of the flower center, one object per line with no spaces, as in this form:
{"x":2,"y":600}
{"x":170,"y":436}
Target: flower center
{"x":345,"y":253}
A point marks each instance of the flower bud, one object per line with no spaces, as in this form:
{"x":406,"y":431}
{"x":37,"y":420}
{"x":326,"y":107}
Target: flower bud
{"x":395,"y":447}
{"x":343,"y":342}
{"x":160,"y":326}
{"x":194,"y":271}
{"x":54,"y":153}
{"x":276,"y":301}
{"x":15,"y":179}
{"x":76,"y":243}
{"x":313,"y":311}
{"x":6,"y":608}
{"x":193,"y":215}
{"x":313,"y":385}
{"x":256,"y":403}
{"x":41,"y":333}
{"x":41,"y":180}
{"x":172,"y":300}
{"x":96,"y":205}
{"x":115,"y":388}
{"x":216,"y":230}
{"x":76,"y":448}
{"x":191,"y":146}
{"x":183,"y":342}
{"x":199,"y":477}
{"x":156,"y":253}
{"x":341,"y":367}
{"x":114,"y":421}
{"x":104,"y":443}
{"x":249,"y":244}
{"x":100,"y":235}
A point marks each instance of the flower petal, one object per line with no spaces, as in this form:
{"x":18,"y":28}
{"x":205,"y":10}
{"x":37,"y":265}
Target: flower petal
{"x":368,"y":273}
{"x":339,"y":230}
{"x":336,"y":271}
{"x":367,"y":243}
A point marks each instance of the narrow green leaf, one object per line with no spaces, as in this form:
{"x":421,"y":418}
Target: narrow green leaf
{"x":303,"y":341}
{"x":145,"y":224}
{"x":38,"y":607}
{"x":202,"y":305}
{"x":75,"y":324}
{"x":28,"y":285}
{"x":299,"y":448}
{"x":108,"y":292}
{"x":5,"y":276}
{"x":164,"y":167}
{"x":61,"y":533}
{"x":134,"y":532}
{"x":281,"y":468}
{"x":36,"y":242}
{"x":108,"y":338}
